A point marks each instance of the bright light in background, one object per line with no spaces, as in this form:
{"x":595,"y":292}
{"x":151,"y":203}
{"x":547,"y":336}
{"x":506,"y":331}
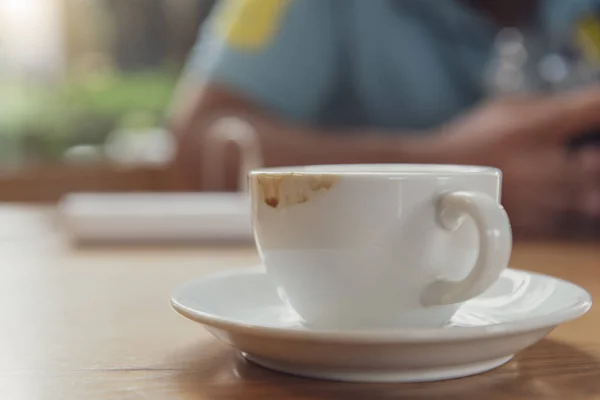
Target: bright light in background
{"x":30,"y":37}
{"x":17,"y":9}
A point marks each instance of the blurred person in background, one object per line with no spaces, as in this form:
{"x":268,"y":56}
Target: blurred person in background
{"x":399,"y":81}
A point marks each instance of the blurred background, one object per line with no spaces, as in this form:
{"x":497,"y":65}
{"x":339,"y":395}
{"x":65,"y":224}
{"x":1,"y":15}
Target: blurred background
{"x":84,"y":85}
{"x":85,"y":88}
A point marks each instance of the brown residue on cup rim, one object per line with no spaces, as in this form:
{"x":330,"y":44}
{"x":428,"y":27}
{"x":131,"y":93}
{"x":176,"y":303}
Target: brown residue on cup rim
{"x":279,"y":190}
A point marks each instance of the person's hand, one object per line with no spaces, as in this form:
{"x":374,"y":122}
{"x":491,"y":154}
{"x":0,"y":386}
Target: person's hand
{"x":544,"y":184}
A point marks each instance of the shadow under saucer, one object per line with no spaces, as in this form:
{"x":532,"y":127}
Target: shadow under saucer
{"x":549,"y":369}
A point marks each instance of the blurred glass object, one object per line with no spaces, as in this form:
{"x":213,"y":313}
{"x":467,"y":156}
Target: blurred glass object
{"x":506,"y":72}
{"x":555,"y":69}
{"x":140,"y":147}
{"x":83,"y":154}
{"x":225,"y":131}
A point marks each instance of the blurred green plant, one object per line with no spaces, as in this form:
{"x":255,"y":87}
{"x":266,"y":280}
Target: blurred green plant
{"x":40,"y":122}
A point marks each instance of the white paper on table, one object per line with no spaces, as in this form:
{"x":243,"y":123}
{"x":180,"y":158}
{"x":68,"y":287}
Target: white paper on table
{"x":157,"y":217}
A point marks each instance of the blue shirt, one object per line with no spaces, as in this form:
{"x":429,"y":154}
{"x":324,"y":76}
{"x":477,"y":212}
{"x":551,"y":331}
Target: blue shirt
{"x":399,"y":64}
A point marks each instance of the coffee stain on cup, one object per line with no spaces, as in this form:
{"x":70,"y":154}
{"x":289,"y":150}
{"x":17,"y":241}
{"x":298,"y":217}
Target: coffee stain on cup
{"x":288,"y":189}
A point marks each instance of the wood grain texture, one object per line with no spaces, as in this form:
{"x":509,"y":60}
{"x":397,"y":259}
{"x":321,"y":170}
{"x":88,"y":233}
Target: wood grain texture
{"x":97,"y":324}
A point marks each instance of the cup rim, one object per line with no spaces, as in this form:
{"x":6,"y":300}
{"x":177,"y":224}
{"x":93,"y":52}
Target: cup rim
{"x":385,"y":170}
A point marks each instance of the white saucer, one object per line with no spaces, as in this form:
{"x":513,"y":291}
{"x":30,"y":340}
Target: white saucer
{"x":242,"y":308}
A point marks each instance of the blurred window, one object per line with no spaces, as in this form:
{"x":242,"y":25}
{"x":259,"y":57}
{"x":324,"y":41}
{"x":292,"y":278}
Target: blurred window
{"x":89,"y":80}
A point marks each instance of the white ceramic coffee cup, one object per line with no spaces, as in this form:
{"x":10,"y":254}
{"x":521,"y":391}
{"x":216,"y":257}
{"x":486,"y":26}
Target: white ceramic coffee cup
{"x":380,"y":246}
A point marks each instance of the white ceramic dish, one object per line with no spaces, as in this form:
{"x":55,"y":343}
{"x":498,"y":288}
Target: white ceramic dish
{"x":242,"y":308}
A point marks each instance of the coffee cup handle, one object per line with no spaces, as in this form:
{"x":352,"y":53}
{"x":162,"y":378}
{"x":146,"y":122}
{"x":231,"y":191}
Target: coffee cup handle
{"x":495,"y":244}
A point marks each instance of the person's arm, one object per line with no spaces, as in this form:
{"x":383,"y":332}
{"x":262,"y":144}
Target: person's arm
{"x":547,"y":190}
{"x":283,"y":142}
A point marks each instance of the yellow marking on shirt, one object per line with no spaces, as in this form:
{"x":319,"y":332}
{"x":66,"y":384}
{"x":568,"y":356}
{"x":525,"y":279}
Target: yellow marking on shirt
{"x":588,"y":36}
{"x":251,"y":24}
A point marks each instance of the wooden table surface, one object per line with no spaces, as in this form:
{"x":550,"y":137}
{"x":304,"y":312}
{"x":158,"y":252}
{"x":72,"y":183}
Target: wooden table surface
{"x":86,"y":324}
